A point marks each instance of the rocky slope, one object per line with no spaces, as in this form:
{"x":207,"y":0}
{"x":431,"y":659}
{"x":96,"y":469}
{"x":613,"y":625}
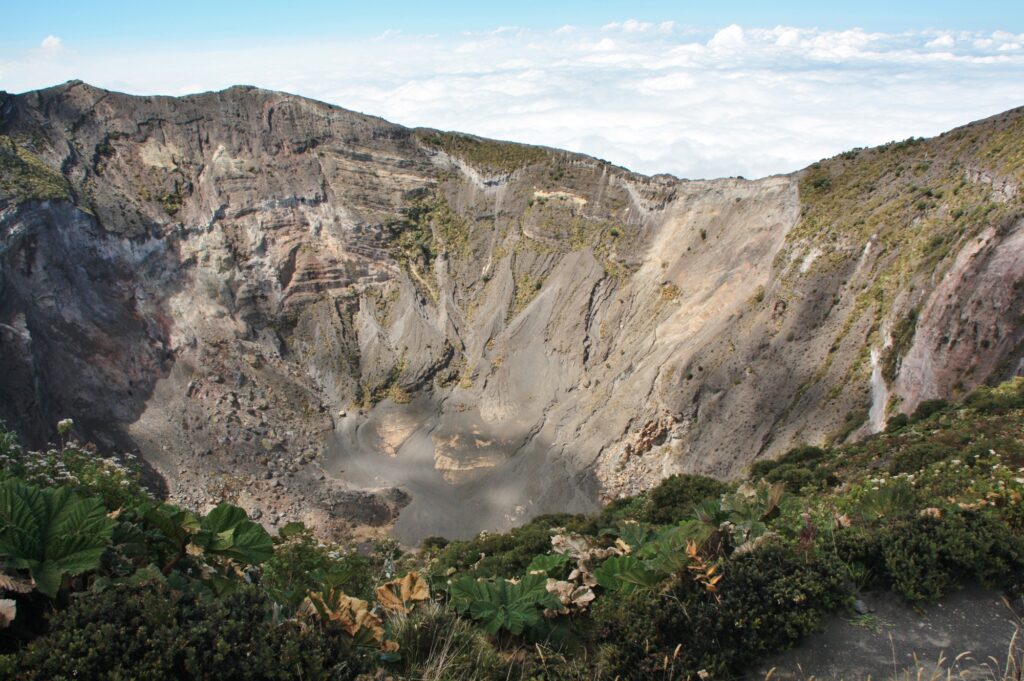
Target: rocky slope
{"x":326,"y":317}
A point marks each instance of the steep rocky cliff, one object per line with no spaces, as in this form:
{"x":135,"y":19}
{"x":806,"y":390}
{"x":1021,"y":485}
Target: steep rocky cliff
{"x":327,"y":317}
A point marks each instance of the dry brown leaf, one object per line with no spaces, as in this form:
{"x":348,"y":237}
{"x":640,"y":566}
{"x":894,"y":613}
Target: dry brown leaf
{"x":399,"y":595}
{"x":586,"y":554}
{"x":8,"y":611}
{"x":15,"y":584}
{"x":570,"y":594}
{"x":574,"y":545}
{"x":352,"y":614}
{"x":583,"y":596}
{"x":560,"y":589}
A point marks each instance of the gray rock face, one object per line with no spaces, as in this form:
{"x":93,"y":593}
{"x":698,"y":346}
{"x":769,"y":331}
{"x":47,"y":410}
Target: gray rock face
{"x":246,"y":281}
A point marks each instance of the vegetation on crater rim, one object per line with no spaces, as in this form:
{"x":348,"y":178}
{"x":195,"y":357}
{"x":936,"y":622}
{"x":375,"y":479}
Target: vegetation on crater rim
{"x":694,"y":576}
{"x":25,"y":177}
{"x":486,"y":155}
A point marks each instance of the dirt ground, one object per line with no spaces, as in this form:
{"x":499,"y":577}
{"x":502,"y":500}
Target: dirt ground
{"x":967,"y":635}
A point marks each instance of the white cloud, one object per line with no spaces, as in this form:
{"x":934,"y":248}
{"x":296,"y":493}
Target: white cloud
{"x":52,"y":43}
{"x":944,"y":40}
{"x":729,"y":38}
{"x":653,"y":97}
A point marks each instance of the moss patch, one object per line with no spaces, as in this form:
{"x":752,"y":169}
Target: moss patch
{"x":484,"y":154}
{"x":25,"y":177}
{"x":527,"y":286}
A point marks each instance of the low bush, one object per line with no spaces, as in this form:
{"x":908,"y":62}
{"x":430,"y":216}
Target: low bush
{"x":766,"y":601}
{"x":927,"y":556}
{"x":676,"y":496}
{"x":502,"y":555}
{"x":896,"y":422}
{"x":919,"y":456}
{"x":1009,"y":395}
{"x":150,"y":632}
{"x":301,"y":564}
{"x":693,"y":575}
{"x":926,"y":408}
{"x":798,"y":468}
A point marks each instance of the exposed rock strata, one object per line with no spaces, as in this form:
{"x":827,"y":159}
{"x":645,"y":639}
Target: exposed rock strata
{"x":332,"y":318}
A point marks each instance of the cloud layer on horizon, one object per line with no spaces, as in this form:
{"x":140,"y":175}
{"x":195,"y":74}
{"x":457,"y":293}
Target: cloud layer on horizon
{"x":654,"y":97}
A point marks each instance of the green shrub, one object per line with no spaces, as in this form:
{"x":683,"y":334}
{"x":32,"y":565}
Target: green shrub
{"x":1009,"y":395}
{"x":115,"y":479}
{"x":301,"y":564}
{"x":859,"y":550}
{"x":767,"y":600}
{"x":617,"y":510}
{"x":627,"y":633}
{"x":150,"y":632}
{"x":676,"y":496}
{"x":797,"y":468}
{"x":795,"y":477}
{"x":896,"y":422}
{"x":925,"y":557}
{"x":504,"y":555}
{"x":918,"y":456}
{"x":434,"y":543}
{"x":770,"y":599}
{"x":485,"y":154}
{"x":26,"y":177}
{"x":887,"y":502}
{"x":927,"y":408}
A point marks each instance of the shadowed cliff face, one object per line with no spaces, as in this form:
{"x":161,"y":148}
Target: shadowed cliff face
{"x":333,"y":319}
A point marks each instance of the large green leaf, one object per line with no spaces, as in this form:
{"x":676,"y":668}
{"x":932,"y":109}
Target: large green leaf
{"x":634,"y":533}
{"x":503,"y":604}
{"x":51,"y":532}
{"x":550,"y":564}
{"x":665,"y":553}
{"x":227,"y":531}
{"x":625,"y":574}
{"x":176,"y":524}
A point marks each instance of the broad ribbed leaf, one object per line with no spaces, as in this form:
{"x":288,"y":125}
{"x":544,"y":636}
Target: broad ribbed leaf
{"x":227,"y":531}
{"x":21,"y":510}
{"x":465,"y":591}
{"x":625,"y":574}
{"x":502,"y":604}
{"x":635,"y":534}
{"x":252,"y":543}
{"x":51,"y":532}
{"x":176,"y":524}
{"x":224,"y":517}
{"x":550,"y":564}
{"x":75,"y":530}
{"x":665,"y":554}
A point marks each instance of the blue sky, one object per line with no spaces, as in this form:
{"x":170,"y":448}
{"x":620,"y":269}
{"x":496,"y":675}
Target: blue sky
{"x":94,"y":23}
{"x":697,"y":89}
